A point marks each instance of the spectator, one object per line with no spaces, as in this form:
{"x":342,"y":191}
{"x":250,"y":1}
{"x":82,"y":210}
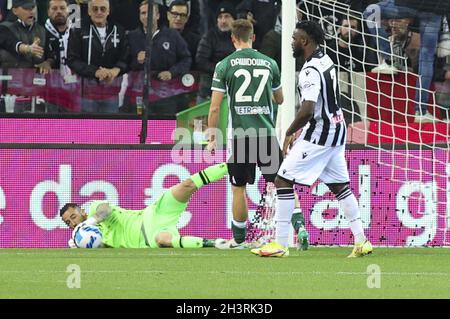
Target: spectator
{"x":193,"y":25}
{"x":58,"y":30}
{"x":178,"y":16}
{"x":442,"y":85}
{"x":215,"y":45}
{"x":211,"y":7}
{"x":22,"y":43}
{"x":348,"y":50}
{"x":170,"y":58}
{"x":271,"y":45}
{"x":98,"y":51}
{"x":405,"y":45}
{"x":24,"y":36}
{"x":430,"y":23}
{"x":262,"y":14}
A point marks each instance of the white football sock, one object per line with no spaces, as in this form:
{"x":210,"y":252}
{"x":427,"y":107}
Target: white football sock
{"x":351,"y":210}
{"x":285,"y":207}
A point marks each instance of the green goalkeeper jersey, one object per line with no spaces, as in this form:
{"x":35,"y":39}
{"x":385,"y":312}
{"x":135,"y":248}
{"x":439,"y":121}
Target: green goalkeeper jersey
{"x":123,"y":228}
{"x":248,"y":77}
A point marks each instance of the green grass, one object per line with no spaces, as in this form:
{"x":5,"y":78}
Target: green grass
{"x":211,"y":273}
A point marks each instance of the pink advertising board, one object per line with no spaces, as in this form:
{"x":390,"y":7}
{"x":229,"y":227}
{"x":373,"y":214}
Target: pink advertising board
{"x":84,"y":131}
{"x":35,"y":183}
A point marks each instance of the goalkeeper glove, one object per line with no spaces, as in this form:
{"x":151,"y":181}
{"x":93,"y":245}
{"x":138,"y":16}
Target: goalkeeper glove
{"x":71,"y":243}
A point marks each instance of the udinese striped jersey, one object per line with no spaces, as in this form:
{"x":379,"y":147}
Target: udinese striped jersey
{"x":318,"y":82}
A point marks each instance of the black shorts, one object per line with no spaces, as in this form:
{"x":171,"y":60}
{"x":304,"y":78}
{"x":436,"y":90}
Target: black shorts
{"x":248,"y":152}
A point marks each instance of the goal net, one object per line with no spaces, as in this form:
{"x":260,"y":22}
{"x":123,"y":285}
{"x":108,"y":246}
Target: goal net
{"x":379,"y":103}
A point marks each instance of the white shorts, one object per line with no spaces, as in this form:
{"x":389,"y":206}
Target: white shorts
{"x":306,"y":162}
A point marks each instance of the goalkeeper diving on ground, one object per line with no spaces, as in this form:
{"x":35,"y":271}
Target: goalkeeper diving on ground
{"x":152,"y":227}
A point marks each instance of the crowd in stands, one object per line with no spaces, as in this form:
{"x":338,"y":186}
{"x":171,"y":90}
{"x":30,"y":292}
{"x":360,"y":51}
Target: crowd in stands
{"x":99,"y":41}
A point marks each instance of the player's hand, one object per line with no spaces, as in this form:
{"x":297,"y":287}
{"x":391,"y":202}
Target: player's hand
{"x":288,"y":141}
{"x":71,"y":243}
{"x":212,"y":146}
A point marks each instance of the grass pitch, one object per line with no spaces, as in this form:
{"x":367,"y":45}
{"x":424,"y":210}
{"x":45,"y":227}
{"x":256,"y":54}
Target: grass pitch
{"x":211,"y":273}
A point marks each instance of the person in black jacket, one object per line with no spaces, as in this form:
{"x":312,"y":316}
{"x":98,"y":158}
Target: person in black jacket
{"x":262,"y":14}
{"x":192,"y":25}
{"x":214,"y":46}
{"x":178,"y":17}
{"x":170,"y":54}
{"x":98,"y":51}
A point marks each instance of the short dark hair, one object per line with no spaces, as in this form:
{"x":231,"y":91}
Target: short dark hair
{"x":313,"y":30}
{"x":66,"y":1}
{"x":145,"y":2}
{"x":179,"y":3}
{"x":66,"y":207}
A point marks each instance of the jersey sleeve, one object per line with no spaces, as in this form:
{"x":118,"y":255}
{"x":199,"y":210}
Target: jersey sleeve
{"x":218,"y":81}
{"x":276,"y":82}
{"x":309,"y":84}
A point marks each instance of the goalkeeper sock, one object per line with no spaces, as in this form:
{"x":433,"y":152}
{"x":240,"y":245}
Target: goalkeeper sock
{"x":298,"y":220}
{"x":349,"y":205}
{"x":239,"y":231}
{"x":188,"y":242}
{"x":285,"y":207}
{"x":210,"y":174}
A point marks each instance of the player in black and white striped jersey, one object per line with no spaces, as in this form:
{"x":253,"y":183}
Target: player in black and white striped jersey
{"x":319,"y":151}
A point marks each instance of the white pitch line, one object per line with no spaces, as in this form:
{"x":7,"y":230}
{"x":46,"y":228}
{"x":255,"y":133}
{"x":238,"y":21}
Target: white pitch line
{"x":278,"y":273}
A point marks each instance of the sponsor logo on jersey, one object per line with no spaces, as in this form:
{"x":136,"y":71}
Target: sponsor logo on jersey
{"x":252,"y":110}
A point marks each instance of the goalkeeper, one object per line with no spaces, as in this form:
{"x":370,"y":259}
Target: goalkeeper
{"x":152,"y":227}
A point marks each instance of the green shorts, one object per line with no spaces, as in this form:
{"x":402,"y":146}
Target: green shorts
{"x":162,"y":216}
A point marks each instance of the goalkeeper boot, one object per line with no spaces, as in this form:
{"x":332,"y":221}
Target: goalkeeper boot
{"x":361,"y":250}
{"x":273,"y":249}
{"x":229,"y":244}
{"x":303,"y":239}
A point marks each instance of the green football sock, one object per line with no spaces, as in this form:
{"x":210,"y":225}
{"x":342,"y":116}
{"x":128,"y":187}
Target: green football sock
{"x":210,"y":174}
{"x":298,"y":220}
{"x":191,"y":242}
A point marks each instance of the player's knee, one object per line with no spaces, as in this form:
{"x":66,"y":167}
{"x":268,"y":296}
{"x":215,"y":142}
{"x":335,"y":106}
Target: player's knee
{"x":188,"y":185}
{"x":337,"y":189}
{"x":164,"y":240}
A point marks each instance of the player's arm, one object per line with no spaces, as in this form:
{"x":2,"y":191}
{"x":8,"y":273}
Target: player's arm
{"x":218,"y":88}
{"x":102,"y":213}
{"x":304,"y":115}
{"x":214,"y":112}
{"x":309,"y":83}
{"x":278,"y":96}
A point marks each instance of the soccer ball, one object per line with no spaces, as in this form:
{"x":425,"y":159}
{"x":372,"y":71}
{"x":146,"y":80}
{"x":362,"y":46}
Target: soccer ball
{"x":87,"y":236}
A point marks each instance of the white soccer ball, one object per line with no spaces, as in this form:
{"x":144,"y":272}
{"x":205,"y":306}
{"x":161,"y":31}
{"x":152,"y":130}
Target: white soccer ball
{"x":88,"y":236}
